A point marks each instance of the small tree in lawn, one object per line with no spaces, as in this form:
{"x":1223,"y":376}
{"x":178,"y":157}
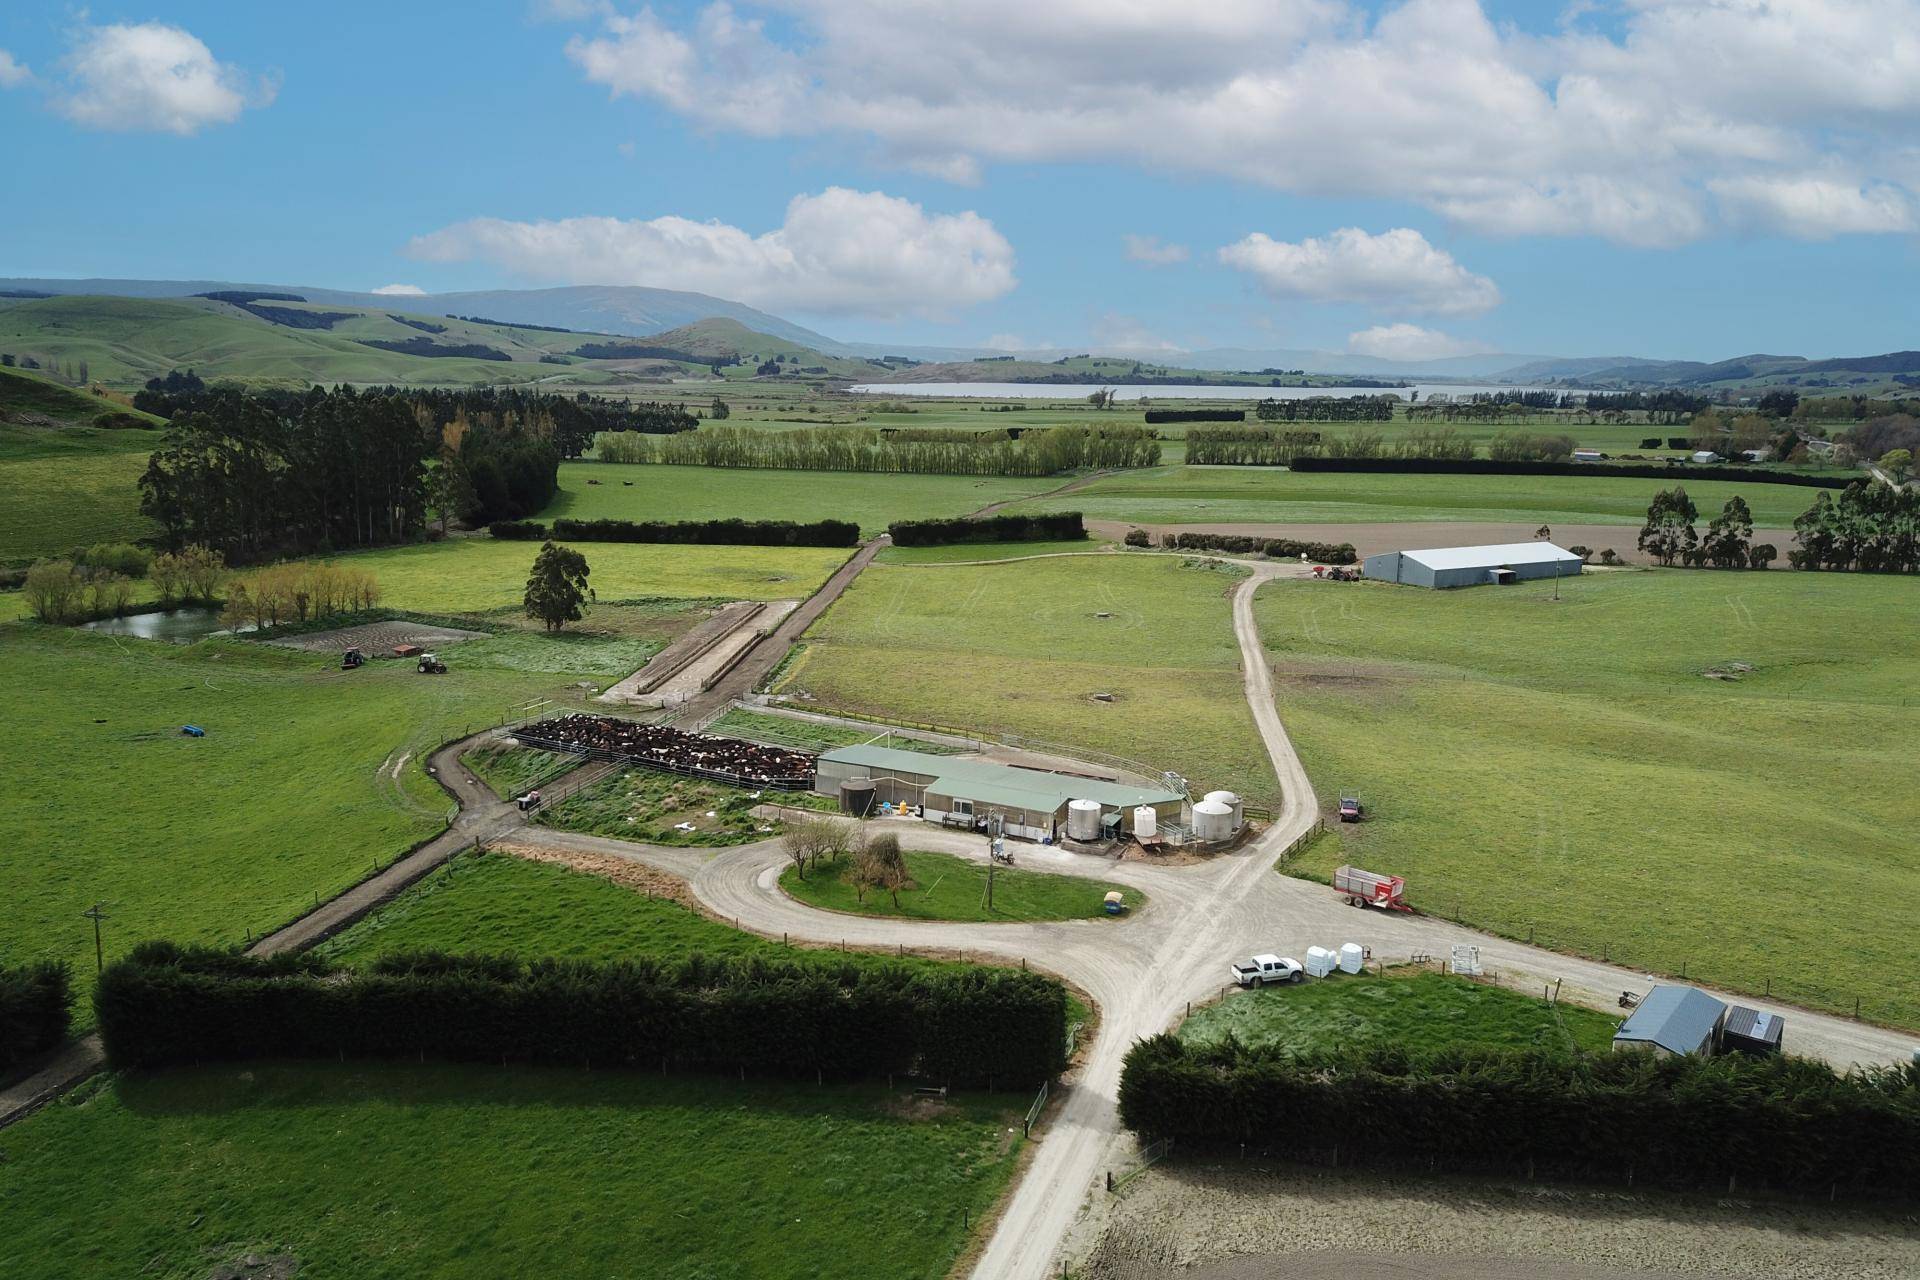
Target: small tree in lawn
{"x":885,"y":867}
{"x":1669,"y":534}
{"x":557,"y":590}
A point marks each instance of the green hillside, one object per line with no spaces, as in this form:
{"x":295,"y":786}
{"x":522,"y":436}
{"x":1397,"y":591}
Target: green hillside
{"x":745,"y":351}
{"x":31,"y":399}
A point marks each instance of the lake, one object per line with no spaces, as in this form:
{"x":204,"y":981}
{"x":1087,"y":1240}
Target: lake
{"x":1190,"y":391}
{"x":175,"y":626}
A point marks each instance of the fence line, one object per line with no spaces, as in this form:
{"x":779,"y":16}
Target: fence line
{"x":1150,"y":1155}
{"x":1033,"y":1112}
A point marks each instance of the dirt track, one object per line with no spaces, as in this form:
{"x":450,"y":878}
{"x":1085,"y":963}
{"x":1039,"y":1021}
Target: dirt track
{"x":1368,"y":539}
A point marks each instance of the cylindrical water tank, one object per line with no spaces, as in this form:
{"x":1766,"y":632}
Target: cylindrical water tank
{"x":1212,"y":821}
{"x":856,"y":796}
{"x":1083,"y":819}
{"x":1232,"y":802}
{"x":1146,"y":823}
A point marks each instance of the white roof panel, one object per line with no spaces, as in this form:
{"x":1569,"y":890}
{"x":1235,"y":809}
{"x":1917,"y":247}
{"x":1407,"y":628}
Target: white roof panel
{"x":1490,"y":557}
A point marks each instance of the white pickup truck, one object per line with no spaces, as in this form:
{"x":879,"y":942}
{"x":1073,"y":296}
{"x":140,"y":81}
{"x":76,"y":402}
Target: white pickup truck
{"x":1263,"y":969}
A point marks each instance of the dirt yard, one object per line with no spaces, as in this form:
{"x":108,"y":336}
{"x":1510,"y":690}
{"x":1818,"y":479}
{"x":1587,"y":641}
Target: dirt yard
{"x":1280,"y":1222}
{"x":376,"y":639}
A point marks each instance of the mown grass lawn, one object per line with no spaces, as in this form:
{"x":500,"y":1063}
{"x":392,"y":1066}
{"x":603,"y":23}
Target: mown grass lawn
{"x":1420,"y":1011}
{"x":1221,"y":495}
{"x":1023,"y":647}
{"x":306,"y":777}
{"x":1567,"y":769}
{"x":946,"y":887}
{"x":643,"y":492}
{"x":435,"y":1172}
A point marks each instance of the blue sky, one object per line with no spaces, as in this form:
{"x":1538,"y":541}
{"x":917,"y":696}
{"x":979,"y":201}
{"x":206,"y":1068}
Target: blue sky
{"x":1418,"y":179}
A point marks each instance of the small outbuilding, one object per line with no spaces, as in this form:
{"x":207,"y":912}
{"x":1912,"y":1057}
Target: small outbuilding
{"x":1751,"y":1031}
{"x":1506,"y":563}
{"x":1673,"y":1021}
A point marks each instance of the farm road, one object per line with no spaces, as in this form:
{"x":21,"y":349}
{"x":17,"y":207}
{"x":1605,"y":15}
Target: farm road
{"x":1142,"y":971}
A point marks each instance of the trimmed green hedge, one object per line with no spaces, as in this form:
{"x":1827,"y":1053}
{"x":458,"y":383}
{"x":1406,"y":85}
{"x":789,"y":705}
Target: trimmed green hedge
{"x":1196,"y":415}
{"x":1777,"y":1121}
{"x":1743,"y":472}
{"x":1241,"y":544}
{"x":34,"y":1010}
{"x":1061,"y":526}
{"x":971,"y":1027}
{"x":738,"y":533}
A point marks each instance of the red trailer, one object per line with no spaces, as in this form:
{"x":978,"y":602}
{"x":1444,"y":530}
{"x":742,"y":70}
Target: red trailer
{"x":1365,"y":889}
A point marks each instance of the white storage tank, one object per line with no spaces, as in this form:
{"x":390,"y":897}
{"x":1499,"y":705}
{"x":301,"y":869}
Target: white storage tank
{"x":1146,"y":823}
{"x":1212,"y":821}
{"x":1083,"y":819}
{"x":1233,"y":802}
{"x":1353,"y":958}
{"x":1321,"y":962}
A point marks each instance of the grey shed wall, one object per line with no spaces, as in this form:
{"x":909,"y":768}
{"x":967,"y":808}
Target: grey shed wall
{"x":1397,"y":566}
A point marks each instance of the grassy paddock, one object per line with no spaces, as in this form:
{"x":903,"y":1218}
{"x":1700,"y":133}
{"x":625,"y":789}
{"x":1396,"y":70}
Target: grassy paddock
{"x":1421,"y":1011}
{"x":1023,"y":647}
{"x":989,"y":551}
{"x":946,"y":887}
{"x":1566,"y":770}
{"x":509,"y":770}
{"x":70,"y":487}
{"x":434,"y":1172}
{"x":640,"y":804}
{"x":636,"y":492}
{"x":1266,"y":495}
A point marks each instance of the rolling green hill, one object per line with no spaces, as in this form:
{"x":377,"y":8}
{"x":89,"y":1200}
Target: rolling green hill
{"x":31,"y":399}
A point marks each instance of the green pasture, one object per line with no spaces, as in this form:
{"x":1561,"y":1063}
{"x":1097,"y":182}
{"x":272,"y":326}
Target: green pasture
{"x":510,"y":770}
{"x":481,"y":574}
{"x":433,"y":1172}
{"x":641,"y":804}
{"x":964,"y":552}
{"x":69,"y":487}
{"x":946,"y":887}
{"x":622,"y":491}
{"x":1420,"y":1011}
{"x":1569,"y":772}
{"x":307,"y":777}
{"x":1023,"y":647}
{"x":1267,"y":495}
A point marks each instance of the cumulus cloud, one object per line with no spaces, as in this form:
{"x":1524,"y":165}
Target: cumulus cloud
{"x":401,"y":291}
{"x":12,"y":74}
{"x":1152,"y":251}
{"x":1814,"y":208}
{"x":152,"y":77}
{"x":1409,"y":342}
{"x":841,"y":251}
{"x":1611,"y":123}
{"x":1397,"y":270}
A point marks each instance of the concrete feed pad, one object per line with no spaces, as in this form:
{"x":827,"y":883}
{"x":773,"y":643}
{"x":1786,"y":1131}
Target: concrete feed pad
{"x":376,"y":639}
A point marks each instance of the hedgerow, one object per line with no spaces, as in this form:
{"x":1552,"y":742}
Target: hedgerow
{"x":1241,"y":544}
{"x":1196,"y":415}
{"x":926,"y":451}
{"x":980,"y":1027}
{"x":738,"y":533}
{"x":34,"y":1010}
{"x":1490,"y":467}
{"x":1059,"y":526}
{"x":1777,"y":1121}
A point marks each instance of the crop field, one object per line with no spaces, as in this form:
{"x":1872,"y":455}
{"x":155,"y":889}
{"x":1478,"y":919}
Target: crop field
{"x":1266,"y":495}
{"x":1420,"y":1011}
{"x":433,"y":1172}
{"x":479,"y":575}
{"x":1569,"y":771}
{"x":946,"y":887}
{"x":70,"y":487}
{"x":624,"y":491}
{"x":1023,"y":647}
{"x":306,"y":778}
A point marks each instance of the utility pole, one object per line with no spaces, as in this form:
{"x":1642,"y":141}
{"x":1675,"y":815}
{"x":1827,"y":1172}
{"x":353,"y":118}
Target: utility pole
{"x":95,"y":914}
{"x":994,"y":845}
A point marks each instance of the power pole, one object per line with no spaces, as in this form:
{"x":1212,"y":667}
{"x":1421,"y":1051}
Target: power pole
{"x":95,"y":914}
{"x":994,"y":846}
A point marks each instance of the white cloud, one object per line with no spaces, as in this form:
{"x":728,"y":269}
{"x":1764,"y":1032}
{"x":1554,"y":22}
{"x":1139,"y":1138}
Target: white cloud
{"x":13,"y":74}
{"x":842,"y":251}
{"x":1409,"y":342}
{"x":1152,"y":251}
{"x":1611,"y":123}
{"x":1115,"y":331}
{"x":401,"y":291}
{"x":1397,"y":270}
{"x":1008,"y":342}
{"x":1813,"y":208}
{"x":152,"y":77}
{"x":568,"y":10}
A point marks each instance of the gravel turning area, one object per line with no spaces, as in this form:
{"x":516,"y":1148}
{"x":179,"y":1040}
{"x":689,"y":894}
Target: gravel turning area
{"x":1253,"y":1222}
{"x":377,"y":639}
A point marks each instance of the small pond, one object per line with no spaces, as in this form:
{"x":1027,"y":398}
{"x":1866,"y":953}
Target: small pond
{"x":175,"y":626}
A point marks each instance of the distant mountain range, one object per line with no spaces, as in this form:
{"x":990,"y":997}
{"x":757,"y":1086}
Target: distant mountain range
{"x":639,"y":312}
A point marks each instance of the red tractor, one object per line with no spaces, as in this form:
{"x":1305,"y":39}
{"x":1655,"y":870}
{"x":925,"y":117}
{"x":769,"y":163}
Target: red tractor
{"x":1351,"y":809}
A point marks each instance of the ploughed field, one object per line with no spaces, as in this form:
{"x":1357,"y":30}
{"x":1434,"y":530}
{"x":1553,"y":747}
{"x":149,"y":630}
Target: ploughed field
{"x":1023,"y":648}
{"x":1270,"y":495}
{"x":1569,"y":771}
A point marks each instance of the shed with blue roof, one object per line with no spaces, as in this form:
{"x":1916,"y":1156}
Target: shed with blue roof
{"x":1673,"y":1020}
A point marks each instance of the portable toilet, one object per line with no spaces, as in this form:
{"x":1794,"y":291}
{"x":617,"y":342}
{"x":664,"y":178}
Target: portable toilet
{"x":1353,"y":957}
{"x":1321,"y":962}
